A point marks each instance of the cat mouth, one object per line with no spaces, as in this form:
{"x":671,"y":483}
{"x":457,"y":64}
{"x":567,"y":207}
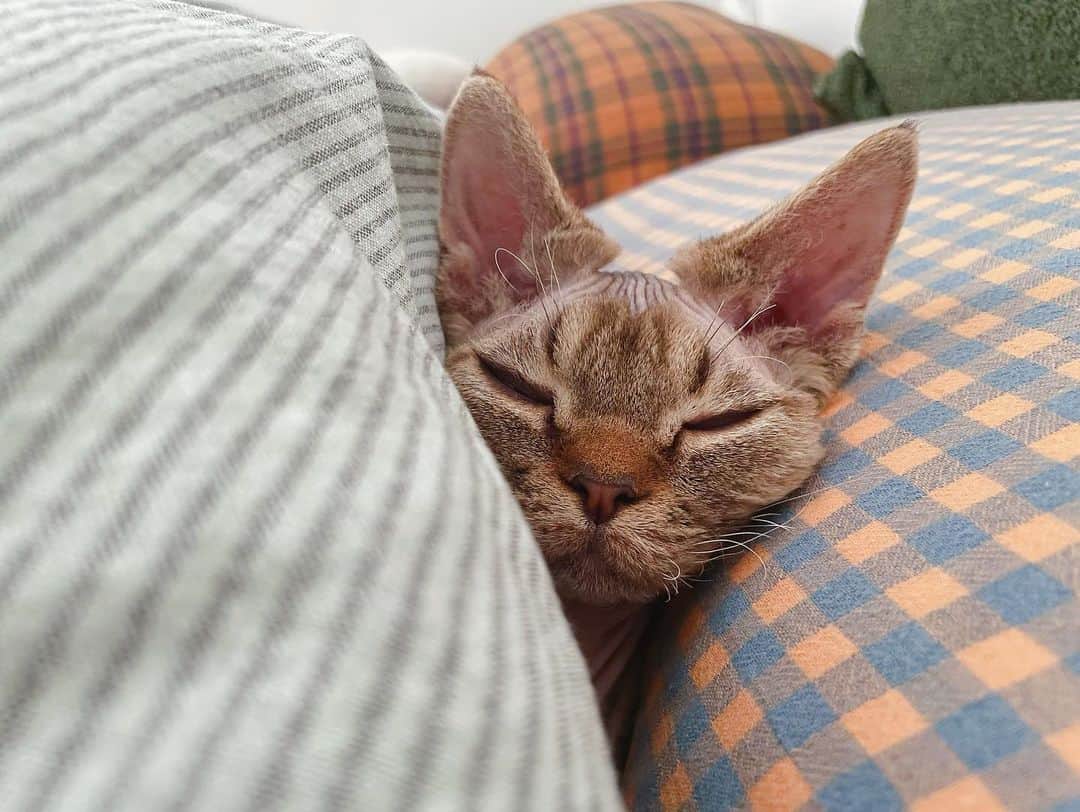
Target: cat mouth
{"x":596,"y":571}
{"x":596,"y":539}
{"x":594,"y":581}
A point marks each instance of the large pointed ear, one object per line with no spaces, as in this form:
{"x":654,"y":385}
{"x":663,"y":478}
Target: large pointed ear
{"x":505,"y":225}
{"x":815,"y":259}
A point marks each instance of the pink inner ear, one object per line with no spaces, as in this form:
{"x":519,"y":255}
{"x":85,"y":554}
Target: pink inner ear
{"x":482,"y":208}
{"x":835,"y":247}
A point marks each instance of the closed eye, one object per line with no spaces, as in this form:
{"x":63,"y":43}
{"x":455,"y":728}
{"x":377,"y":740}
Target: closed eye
{"x":514,"y":383}
{"x":721,"y":421}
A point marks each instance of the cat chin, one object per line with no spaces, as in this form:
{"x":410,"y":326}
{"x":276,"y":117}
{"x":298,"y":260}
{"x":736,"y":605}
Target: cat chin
{"x":588,"y":579}
{"x":571,"y":587}
{"x":605,"y":566}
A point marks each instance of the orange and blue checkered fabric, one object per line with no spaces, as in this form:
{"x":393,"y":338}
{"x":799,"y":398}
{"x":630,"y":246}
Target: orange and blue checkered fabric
{"x":911,"y":638}
{"x":622,"y":94}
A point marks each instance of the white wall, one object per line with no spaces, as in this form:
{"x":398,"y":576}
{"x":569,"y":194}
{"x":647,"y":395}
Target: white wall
{"x":475,"y":30}
{"x":826,"y":24}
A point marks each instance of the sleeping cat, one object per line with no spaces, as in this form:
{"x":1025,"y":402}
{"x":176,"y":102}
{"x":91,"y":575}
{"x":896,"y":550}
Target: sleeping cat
{"x":637,"y":420}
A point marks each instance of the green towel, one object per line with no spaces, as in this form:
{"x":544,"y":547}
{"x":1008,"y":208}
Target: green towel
{"x":932,"y":54}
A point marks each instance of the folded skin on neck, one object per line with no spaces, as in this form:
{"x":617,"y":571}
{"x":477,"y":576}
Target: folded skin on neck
{"x":610,"y":638}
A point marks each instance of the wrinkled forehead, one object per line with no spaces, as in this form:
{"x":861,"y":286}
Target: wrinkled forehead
{"x":626,"y":344}
{"x":640,"y":291}
{"x":637,"y":298}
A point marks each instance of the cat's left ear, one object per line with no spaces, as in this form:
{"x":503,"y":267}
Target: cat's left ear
{"x":814,"y":260}
{"x":504,"y":219}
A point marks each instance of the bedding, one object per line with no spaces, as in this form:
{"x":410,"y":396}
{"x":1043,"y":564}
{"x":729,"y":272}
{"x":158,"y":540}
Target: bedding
{"x":908,"y":635}
{"x":253,"y":553}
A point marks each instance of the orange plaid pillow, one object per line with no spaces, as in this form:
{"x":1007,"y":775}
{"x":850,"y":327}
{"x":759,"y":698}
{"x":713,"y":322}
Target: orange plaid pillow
{"x":623,"y":94}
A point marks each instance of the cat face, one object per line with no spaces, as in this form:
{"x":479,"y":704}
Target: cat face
{"x":629,"y":433}
{"x":637,"y":419}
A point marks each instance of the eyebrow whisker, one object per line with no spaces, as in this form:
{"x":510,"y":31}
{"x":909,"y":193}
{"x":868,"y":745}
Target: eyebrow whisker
{"x":502,"y":273}
{"x":711,"y":330}
{"x":769,"y":358}
{"x":536,"y":274}
{"x":742,"y":327}
{"x":551,"y":262}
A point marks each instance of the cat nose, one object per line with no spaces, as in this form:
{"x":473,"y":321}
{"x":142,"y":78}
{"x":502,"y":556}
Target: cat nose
{"x":602,"y":500}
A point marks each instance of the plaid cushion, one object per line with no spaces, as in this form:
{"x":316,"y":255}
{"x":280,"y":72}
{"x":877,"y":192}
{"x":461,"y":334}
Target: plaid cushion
{"x":912,"y":636}
{"x":623,"y":94}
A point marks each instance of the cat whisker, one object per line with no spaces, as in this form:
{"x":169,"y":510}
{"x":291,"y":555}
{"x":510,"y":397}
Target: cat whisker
{"x":527,"y":267}
{"x":773,"y":529}
{"x":553,"y":279}
{"x":560,"y":304}
{"x":503,"y":317}
{"x":777,"y":525}
{"x":718,"y":553}
{"x":735,"y":533}
{"x":756,"y":554}
{"x":711,"y":331}
{"x":773,"y":526}
{"x":770,"y":358}
{"x":776,"y":513}
{"x":673,"y":582}
{"x":725,"y":544}
{"x":536,"y":275}
{"x":734,"y":554}
{"x":731,"y":535}
{"x":809,"y":493}
{"x":498,"y":267}
{"x":718,"y":545}
{"x":730,"y":546}
{"x":551,"y":262}
{"x":742,"y":327}
{"x":724,"y":554}
{"x":699,"y":580}
{"x":532,"y":255}
{"x":710,"y":551}
{"x":722,"y":545}
{"x":709,"y":326}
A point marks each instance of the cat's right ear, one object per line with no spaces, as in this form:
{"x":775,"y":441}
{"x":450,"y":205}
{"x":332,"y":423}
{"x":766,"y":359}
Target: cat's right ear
{"x":504,"y":220}
{"x":809,"y":265}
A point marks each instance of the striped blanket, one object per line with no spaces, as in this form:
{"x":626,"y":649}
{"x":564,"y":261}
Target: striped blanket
{"x":253,"y":554}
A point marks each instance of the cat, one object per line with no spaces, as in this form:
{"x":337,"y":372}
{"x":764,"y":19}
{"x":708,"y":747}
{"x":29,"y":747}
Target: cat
{"x":639,"y":420}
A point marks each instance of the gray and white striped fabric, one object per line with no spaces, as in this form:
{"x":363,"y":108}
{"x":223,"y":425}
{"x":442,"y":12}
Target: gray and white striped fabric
{"x":253,"y":554}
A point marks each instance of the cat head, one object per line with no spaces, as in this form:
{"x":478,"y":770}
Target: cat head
{"x":637,"y":419}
